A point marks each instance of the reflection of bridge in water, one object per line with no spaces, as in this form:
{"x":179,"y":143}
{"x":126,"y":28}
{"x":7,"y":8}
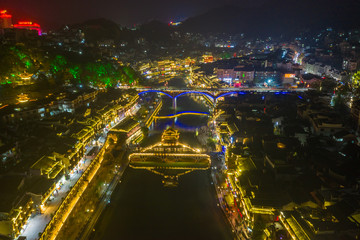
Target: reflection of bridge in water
{"x":170,"y":158}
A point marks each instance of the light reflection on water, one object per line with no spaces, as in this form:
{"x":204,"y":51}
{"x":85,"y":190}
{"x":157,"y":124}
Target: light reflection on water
{"x":186,"y":122}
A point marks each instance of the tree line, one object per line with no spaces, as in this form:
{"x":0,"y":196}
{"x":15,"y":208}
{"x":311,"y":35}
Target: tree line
{"x":57,"y":68}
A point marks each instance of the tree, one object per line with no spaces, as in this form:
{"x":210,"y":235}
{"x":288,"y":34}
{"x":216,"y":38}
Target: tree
{"x":11,"y":64}
{"x":328,"y":85}
{"x":58,"y":64}
{"x":75,"y":72}
{"x":355,"y":82}
{"x":58,"y":69}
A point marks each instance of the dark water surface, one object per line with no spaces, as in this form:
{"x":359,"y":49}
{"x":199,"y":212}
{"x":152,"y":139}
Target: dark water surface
{"x":142,"y":208}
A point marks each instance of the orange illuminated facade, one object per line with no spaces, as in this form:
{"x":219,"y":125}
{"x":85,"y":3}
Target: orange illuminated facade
{"x":208,"y":59}
{"x":289,"y":75}
{"x":29,"y":26}
{"x":5,"y":19}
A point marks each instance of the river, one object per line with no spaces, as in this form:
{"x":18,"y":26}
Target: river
{"x":142,"y":208}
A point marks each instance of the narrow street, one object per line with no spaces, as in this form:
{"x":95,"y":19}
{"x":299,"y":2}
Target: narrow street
{"x":37,"y":223}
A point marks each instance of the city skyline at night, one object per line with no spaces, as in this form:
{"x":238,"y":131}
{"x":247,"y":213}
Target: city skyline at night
{"x":202,"y":119}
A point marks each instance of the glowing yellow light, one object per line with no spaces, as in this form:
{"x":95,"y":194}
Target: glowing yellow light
{"x":281,"y":145}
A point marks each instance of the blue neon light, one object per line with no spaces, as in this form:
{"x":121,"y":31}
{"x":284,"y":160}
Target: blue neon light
{"x":224,"y":94}
{"x":189,"y":112}
{"x":203,"y":93}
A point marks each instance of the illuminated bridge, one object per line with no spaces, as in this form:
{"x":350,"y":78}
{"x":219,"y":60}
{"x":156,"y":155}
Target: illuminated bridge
{"x":212,"y":95}
{"x":170,"y":158}
{"x":182,"y":114}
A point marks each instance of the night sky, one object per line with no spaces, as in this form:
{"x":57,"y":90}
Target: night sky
{"x":52,"y":13}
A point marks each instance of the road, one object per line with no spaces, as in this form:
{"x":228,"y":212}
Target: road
{"x":37,"y":223}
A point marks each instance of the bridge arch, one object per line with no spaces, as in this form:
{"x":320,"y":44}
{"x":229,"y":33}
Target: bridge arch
{"x":183,"y":113}
{"x":189,"y":92}
{"x":157,"y":91}
{"x":225,"y":94}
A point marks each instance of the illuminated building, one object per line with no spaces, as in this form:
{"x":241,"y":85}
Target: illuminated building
{"x":132,"y":129}
{"x":23,"y":98}
{"x":28,"y":26}
{"x":170,"y":158}
{"x":234,"y":75}
{"x":305,"y":226}
{"x":5,"y":19}
{"x":208,"y":58}
{"x":226,"y":74}
{"x":288,"y":78}
{"x":244,"y":74}
{"x":15,"y":206}
{"x":175,"y":23}
{"x":264,"y":74}
{"x":49,"y":166}
{"x":25,"y":79}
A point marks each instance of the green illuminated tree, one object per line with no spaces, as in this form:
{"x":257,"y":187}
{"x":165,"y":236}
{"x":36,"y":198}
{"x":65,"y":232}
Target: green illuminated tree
{"x":58,"y":69}
{"x":11,"y":64}
{"x":102,"y":74}
{"x":54,"y":70}
{"x":75,"y":74}
{"x":58,"y":64}
{"x":355,"y":83}
{"x":129,"y":76}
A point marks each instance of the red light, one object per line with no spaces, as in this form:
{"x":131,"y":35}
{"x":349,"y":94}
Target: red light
{"x":28,"y":25}
{"x":4,"y":15}
{"x":25,"y":23}
{"x":240,"y":213}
